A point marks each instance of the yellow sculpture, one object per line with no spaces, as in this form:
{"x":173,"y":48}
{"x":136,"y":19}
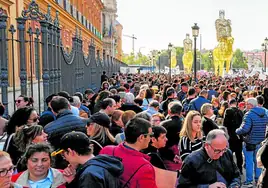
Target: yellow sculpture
{"x":187,"y":57}
{"x":173,"y":58}
{"x":223,"y":53}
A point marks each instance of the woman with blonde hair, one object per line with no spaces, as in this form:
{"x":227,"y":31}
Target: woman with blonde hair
{"x":98,"y":131}
{"x":191,"y":136}
{"x":141,"y":94}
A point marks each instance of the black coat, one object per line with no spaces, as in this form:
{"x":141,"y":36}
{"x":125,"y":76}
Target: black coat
{"x":208,"y":125}
{"x":46,"y":117}
{"x":198,"y":170}
{"x":132,"y":107}
{"x":102,"y":171}
{"x":164,"y":105}
{"x":156,"y":159}
{"x":232,"y":121}
{"x":173,"y":127}
{"x":115,"y":129}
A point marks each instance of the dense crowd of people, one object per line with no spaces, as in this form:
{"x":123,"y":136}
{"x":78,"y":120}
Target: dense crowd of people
{"x":211,"y":132}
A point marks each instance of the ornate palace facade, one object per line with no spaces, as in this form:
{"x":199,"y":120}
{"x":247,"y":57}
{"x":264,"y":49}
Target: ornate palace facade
{"x":82,"y":15}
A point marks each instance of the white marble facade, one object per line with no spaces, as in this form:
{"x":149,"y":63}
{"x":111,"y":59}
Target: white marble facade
{"x":108,"y":19}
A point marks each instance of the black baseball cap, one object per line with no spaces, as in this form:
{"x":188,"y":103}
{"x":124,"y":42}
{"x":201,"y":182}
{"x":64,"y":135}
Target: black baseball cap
{"x":100,"y":118}
{"x":77,"y":141}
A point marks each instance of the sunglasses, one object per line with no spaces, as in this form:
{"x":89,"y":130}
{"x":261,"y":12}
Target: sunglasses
{"x":149,"y":134}
{"x":18,"y":101}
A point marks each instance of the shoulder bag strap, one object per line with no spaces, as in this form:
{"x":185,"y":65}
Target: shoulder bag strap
{"x":133,"y":175}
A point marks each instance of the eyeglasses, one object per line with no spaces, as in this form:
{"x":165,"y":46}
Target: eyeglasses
{"x":218,"y":151}
{"x":18,"y":101}
{"x":4,"y":172}
{"x":155,"y":120}
{"x":149,"y":134}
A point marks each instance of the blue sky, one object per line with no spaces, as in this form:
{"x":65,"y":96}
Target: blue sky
{"x":155,"y":23}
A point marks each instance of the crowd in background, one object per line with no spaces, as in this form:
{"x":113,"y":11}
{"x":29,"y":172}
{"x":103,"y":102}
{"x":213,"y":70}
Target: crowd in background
{"x":210,"y":131}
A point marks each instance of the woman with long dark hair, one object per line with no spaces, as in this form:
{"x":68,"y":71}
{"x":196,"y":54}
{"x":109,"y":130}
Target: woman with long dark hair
{"x":23,"y":116}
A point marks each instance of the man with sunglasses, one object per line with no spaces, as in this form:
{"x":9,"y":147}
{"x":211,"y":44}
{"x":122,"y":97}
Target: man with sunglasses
{"x":211,"y":166}
{"x":138,"y":171}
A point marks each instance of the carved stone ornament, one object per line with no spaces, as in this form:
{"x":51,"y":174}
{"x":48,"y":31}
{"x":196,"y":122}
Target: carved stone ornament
{"x":33,"y":12}
{"x":3,"y":12}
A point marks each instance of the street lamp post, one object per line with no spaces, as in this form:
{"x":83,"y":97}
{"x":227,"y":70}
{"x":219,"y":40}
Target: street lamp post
{"x":169,"y":53}
{"x":264,"y":45}
{"x":210,"y":56}
{"x":195,"y":32}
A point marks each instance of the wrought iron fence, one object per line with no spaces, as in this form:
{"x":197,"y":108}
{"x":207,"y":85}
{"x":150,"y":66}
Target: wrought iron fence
{"x":48,"y":63}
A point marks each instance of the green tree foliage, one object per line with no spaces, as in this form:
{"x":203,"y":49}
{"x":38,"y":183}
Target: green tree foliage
{"x":238,"y":60}
{"x":140,"y":59}
{"x":207,"y":61}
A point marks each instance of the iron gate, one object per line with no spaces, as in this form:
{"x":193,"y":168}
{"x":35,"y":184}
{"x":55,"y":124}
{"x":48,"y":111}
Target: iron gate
{"x":57,"y":69}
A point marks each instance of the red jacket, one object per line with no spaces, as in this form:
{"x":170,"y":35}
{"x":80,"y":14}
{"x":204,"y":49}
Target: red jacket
{"x":138,"y":171}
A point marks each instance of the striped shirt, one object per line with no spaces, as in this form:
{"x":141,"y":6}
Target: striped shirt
{"x":186,"y":146}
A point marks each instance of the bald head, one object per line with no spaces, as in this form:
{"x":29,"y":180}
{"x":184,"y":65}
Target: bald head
{"x":216,"y":144}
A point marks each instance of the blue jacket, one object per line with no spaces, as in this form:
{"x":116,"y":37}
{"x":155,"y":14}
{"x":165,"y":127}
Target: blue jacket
{"x":196,"y":103}
{"x":65,"y":123}
{"x":254,"y":123}
{"x":212,"y":92}
{"x":151,"y":111}
{"x":102,"y":171}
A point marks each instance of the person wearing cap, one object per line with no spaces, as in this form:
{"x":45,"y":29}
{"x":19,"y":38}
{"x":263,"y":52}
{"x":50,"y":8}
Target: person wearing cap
{"x":98,"y":131}
{"x":84,"y":169}
{"x":138,"y":171}
{"x":252,"y":129}
{"x":232,"y":120}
